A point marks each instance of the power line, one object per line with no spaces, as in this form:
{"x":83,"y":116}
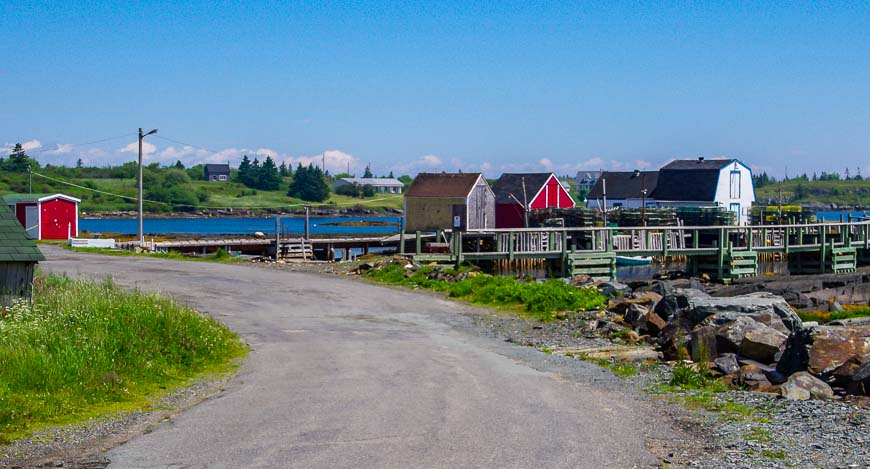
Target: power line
{"x":84,"y":143}
{"x":171,"y":204}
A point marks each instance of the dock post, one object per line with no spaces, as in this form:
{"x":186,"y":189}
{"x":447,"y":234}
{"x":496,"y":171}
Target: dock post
{"x":695,"y":241}
{"x":823,"y":248}
{"x":277,"y":236}
{"x":419,"y":244}
{"x":402,"y":242}
{"x":666,"y":240}
{"x":307,"y":224}
{"x":721,"y":254}
{"x":750,"y":239}
{"x":511,"y":246}
{"x":458,"y":237}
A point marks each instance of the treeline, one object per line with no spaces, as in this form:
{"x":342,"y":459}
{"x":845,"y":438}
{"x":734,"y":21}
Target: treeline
{"x":763,"y":179}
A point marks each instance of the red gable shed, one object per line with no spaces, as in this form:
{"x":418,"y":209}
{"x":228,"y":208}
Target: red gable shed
{"x":538,"y":190}
{"x":46,"y":216}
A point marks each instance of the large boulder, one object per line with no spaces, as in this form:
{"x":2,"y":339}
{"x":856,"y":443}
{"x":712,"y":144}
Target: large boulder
{"x":763,"y":307}
{"x":742,"y":335}
{"x":803,"y":386}
{"x":823,"y":349}
{"x":861,"y":381}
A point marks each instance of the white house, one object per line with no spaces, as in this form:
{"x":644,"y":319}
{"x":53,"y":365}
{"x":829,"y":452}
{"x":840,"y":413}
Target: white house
{"x":380,"y":185}
{"x":707,"y":183}
{"x":627,"y":189}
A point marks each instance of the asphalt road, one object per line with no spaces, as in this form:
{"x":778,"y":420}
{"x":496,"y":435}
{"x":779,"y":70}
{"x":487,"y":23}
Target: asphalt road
{"x":348,"y":374}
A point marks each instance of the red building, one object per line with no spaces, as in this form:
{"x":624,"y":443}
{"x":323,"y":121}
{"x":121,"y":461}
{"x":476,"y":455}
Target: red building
{"x":46,"y":216}
{"x":514,"y":192}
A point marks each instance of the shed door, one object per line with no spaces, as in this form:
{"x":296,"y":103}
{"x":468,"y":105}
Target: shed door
{"x":460,"y":212}
{"x":31,"y":221}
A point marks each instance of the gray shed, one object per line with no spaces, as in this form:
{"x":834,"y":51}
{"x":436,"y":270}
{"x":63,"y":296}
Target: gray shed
{"x":18,"y":257}
{"x":438,"y":201}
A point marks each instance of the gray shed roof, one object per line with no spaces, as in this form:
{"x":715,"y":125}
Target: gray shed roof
{"x":690,"y":180}
{"x":15,"y":246}
{"x":512,"y":183}
{"x":625,"y":184}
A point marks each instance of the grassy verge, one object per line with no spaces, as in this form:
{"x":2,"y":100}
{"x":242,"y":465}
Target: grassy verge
{"x":851,"y":311}
{"x":84,"y":349}
{"x":537,"y":300}
{"x":220,"y":255}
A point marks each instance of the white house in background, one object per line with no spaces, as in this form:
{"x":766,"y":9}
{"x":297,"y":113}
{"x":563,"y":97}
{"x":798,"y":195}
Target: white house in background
{"x":381,"y":185}
{"x":626,"y":189}
{"x":707,"y":183}
{"x":586,"y":180}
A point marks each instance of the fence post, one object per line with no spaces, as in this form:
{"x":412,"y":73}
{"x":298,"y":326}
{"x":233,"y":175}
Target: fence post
{"x":458,"y":237}
{"x":721,"y":254}
{"x":823,"y":247}
{"x":511,"y":246}
{"x":402,"y":242}
{"x":419,"y":244}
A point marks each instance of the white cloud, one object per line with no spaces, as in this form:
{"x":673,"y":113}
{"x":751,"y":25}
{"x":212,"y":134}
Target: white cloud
{"x":31,"y":145}
{"x":147,"y":148}
{"x":425,"y":163}
{"x":62,"y":148}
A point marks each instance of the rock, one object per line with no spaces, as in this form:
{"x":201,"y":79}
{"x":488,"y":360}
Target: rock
{"x":762,"y":343}
{"x":863,"y":321}
{"x":823,"y":349}
{"x":634,"y":313}
{"x":614,"y":288}
{"x":753,"y":304}
{"x":649,"y":298}
{"x":727,"y":363}
{"x":861,"y":381}
{"x":581,"y":280}
{"x":835,"y":306}
{"x":561,"y":315}
{"x":803,"y":386}
{"x":652,"y":324}
{"x":843,"y":374}
{"x":703,"y":344}
{"x":751,"y":376}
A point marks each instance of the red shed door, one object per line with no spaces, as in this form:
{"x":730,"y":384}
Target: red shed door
{"x":58,"y":219}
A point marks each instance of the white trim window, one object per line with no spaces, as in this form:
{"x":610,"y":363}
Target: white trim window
{"x":222,"y":177}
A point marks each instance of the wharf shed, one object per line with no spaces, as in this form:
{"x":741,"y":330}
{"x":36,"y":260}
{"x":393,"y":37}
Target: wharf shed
{"x":623,"y":189}
{"x":18,"y":257}
{"x":46,"y":216}
{"x":517,"y":193}
{"x":437,"y":201}
{"x":723,"y":183}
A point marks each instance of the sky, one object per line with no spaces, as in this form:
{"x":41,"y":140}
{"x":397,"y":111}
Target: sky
{"x":410,"y":87}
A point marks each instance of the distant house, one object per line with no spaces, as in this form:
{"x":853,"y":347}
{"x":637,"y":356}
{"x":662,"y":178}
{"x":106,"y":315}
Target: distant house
{"x":217,"y":172}
{"x":46,"y":216}
{"x":380,"y":185}
{"x":707,"y":183}
{"x":585,"y":180}
{"x":18,"y":257}
{"x":623,"y":189}
{"x":513,"y":192}
{"x":449,"y":200}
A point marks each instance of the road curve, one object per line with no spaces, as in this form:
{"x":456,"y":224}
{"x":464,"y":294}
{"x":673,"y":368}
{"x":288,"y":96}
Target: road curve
{"x":347,"y":374}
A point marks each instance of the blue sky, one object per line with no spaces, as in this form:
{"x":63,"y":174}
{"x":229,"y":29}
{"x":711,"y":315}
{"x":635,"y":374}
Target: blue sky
{"x":410,"y":87}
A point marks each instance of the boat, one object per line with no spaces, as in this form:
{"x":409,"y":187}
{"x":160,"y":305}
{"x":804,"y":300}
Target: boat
{"x":633,"y":260}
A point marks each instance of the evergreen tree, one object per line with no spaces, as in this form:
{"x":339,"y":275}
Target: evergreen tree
{"x":179,"y":165}
{"x":18,"y":161}
{"x":269,"y":179}
{"x":282,"y":170}
{"x":254,"y":174}
{"x":309,"y":184}
{"x":391,"y":175}
{"x":79,"y":164}
{"x":244,"y":170}
{"x":368,"y":172}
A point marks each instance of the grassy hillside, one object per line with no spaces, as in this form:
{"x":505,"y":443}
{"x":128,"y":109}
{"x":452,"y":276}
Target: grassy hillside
{"x":796,"y":192}
{"x":208,"y":195}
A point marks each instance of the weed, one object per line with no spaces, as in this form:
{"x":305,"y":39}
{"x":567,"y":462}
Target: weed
{"x":84,"y":348}
{"x":773,"y":453}
{"x":850,"y":311}
{"x":546,"y":350}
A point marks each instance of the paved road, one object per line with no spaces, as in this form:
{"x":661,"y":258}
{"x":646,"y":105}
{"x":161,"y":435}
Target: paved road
{"x":346,"y":374}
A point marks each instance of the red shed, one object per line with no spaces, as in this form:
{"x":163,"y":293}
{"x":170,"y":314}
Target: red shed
{"x":46,"y":216}
{"x":537,"y":190}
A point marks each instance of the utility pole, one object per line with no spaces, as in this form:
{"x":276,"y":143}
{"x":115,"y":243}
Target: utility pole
{"x":141,"y":233}
{"x":525,"y":204}
{"x":643,"y":199}
{"x":30,"y":171}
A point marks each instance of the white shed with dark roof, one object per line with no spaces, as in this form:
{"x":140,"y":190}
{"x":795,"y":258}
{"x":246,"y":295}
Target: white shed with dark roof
{"x":707,"y":183}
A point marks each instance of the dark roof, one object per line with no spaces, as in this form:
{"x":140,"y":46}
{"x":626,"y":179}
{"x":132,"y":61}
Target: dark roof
{"x":24,"y":198}
{"x":512,"y":183}
{"x":217,"y":168}
{"x":690,"y":180}
{"x":15,"y":246}
{"x":442,"y":185}
{"x":698,"y":164}
{"x":625,"y":185}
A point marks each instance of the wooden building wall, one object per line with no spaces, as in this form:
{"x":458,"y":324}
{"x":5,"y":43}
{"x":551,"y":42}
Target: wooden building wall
{"x":481,"y":207}
{"x":16,"y":281}
{"x":430,"y":213}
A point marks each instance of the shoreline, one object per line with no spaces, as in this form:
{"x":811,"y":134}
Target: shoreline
{"x":314,"y":213}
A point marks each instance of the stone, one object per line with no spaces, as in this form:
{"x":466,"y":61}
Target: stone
{"x":727,"y":363}
{"x":843,"y":374}
{"x":634,"y":313}
{"x":652,"y":323}
{"x":861,"y":381}
{"x":614,"y":288}
{"x":581,"y":280}
{"x":703,"y":344}
{"x":701,"y":307}
{"x":835,"y":306}
{"x":804,"y":386}
{"x":762,"y":343}
{"x":751,"y":376}
{"x":823,"y":349}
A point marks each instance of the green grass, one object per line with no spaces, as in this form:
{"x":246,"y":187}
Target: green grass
{"x":822,"y":317}
{"x":796,"y":192}
{"x":84,"y":349}
{"x":539,"y":300}
{"x":220,"y":255}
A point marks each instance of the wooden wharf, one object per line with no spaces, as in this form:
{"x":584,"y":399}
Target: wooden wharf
{"x":723,"y":252}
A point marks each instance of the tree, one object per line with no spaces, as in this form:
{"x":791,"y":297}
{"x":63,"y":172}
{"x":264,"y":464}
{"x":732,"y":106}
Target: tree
{"x":350,"y":190}
{"x":391,"y":175}
{"x":368,"y":190}
{"x":269,"y":179}
{"x":244,"y":170}
{"x":179,"y":165}
{"x":406,"y":180}
{"x":309,"y":184}
{"x":18,"y":161}
{"x":368,"y":172}
{"x":254,"y":174}
{"x":79,"y":164}
{"x":283,"y":170}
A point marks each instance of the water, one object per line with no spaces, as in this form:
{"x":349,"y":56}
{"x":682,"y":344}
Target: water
{"x":237,"y":226}
{"x":835,"y":216}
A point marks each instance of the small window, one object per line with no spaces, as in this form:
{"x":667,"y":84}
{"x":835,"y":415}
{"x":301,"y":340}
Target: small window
{"x":735,"y":184}
{"x":222,"y":177}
